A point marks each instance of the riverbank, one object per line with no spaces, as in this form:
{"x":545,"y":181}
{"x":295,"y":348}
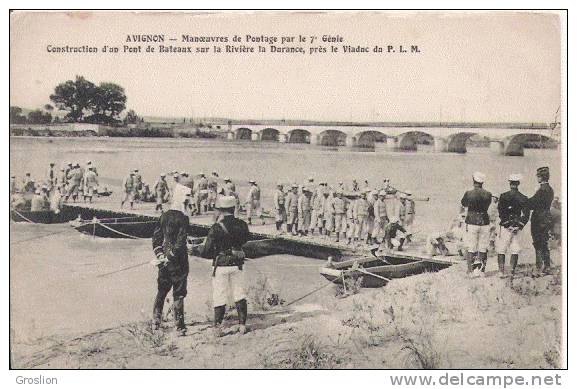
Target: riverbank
{"x":62,"y":319}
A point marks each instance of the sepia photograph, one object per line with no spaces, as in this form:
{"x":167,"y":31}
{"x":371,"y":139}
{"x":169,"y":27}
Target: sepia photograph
{"x":288,"y":190}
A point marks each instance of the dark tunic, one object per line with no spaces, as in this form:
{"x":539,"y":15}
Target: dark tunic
{"x":477,"y":202}
{"x":541,"y":219}
{"x":169,"y":239}
{"x":513,"y":210}
{"x":218,"y":241}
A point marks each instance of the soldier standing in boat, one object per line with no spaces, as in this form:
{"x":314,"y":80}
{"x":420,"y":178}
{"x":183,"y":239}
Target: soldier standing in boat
{"x":514,"y":215}
{"x":169,"y":245}
{"x":279,"y":207}
{"x":51,"y":176}
{"x":224,"y":246}
{"x":160,"y":192}
{"x":541,"y":220}
{"x":292,"y":200}
{"x":253,"y":207}
{"x":477,"y":201}
{"x":304,"y":211}
{"x":129,"y":189}
{"x":28,"y":185}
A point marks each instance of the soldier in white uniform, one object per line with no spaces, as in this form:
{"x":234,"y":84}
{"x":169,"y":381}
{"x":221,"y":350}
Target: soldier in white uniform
{"x":279,"y":207}
{"x":381,"y":216}
{"x":292,"y":210}
{"x":253,"y":207}
{"x":304,"y":211}
{"x":340,"y":214}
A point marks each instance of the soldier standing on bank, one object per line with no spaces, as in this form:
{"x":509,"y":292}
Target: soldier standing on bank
{"x":540,"y":204}
{"x":160,"y":192}
{"x":224,"y":245}
{"x":514,"y":216}
{"x":169,"y":245}
{"x":279,"y":207}
{"x":477,"y":201}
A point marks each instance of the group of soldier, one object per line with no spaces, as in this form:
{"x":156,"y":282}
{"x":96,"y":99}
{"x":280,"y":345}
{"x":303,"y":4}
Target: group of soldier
{"x":370,"y":215}
{"x":515,"y":210}
{"x":56,"y":187}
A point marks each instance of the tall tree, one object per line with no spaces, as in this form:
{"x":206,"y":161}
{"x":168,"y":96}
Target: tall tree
{"x":109,"y":100}
{"x":75,"y":97}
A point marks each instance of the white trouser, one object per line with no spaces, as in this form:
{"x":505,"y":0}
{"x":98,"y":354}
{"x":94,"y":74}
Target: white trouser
{"x":228,"y":285}
{"x":508,"y":241}
{"x":477,"y":238}
{"x":253,"y":209}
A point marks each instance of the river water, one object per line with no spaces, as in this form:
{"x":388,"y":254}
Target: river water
{"x":441,"y":176}
{"x":54,"y":288}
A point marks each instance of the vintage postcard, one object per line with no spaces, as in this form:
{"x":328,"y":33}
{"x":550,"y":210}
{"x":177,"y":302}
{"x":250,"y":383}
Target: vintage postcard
{"x":287,"y":190}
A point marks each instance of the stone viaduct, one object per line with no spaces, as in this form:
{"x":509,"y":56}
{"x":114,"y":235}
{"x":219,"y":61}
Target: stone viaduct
{"x":505,"y":139}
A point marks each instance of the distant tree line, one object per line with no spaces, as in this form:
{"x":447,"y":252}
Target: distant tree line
{"x":84,"y":102}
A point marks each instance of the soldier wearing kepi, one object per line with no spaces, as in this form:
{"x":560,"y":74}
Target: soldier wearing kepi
{"x":253,"y":202}
{"x":541,"y":220}
{"x":292,"y":200}
{"x":304,"y":211}
{"x":477,"y":201}
{"x":340,"y":214}
{"x":169,"y":245}
{"x":514,"y":216}
{"x":160,"y":192}
{"x":279,"y":207}
{"x":224,"y":245}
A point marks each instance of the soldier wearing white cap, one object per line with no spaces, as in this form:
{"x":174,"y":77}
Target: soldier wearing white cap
{"x":340,"y":214}
{"x":318,"y":206}
{"x":514,"y":215}
{"x":279,"y":207}
{"x":406,"y":209}
{"x":201,"y":193}
{"x":381,"y":215}
{"x":253,"y":207}
{"x":224,"y":246}
{"x":304,"y":211}
{"x":292,"y":200}
{"x":371,"y":198}
{"x":90,"y":184}
{"x":137,"y":182}
{"x":328,"y":213}
{"x":169,"y":246}
{"x":212,"y":190}
{"x":361,"y":215}
{"x":477,"y":202}
{"x":129,"y":190}
{"x":51,"y":176}
{"x":160,"y":192}
{"x":74,"y":182}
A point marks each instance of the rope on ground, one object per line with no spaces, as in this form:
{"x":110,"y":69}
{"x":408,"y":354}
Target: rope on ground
{"x":313,"y":291}
{"x":123,"y":269}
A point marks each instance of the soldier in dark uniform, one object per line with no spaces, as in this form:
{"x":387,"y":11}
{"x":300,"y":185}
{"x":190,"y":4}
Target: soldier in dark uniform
{"x":169,"y":245}
{"x":224,"y":246}
{"x":540,"y":204}
{"x":514,"y":215}
{"x":477,"y":202}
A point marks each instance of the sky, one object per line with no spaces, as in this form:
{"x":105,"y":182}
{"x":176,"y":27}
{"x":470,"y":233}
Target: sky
{"x":475,"y":67}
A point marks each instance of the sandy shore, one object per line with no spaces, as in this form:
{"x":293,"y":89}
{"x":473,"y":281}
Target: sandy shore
{"x":65,"y":314}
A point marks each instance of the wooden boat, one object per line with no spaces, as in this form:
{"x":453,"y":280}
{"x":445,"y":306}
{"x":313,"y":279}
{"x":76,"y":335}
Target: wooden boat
{"x":377,"y":271}
{"x":42,"y":217}
{"x":137,"y":227}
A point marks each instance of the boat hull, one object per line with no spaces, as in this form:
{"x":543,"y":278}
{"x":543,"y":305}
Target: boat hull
{"x":42,"y":217}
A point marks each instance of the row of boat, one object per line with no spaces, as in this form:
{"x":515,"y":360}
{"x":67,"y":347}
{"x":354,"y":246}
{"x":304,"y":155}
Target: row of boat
{"x":342,"y":263}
